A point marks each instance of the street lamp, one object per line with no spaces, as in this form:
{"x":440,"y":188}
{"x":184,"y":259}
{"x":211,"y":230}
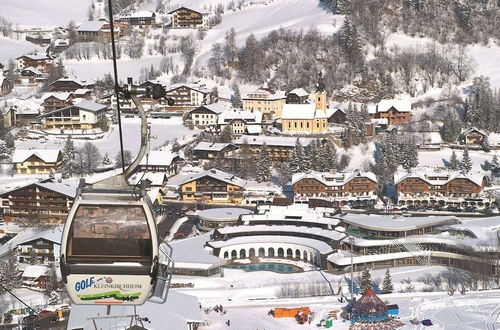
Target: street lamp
{"x":351,"y":241}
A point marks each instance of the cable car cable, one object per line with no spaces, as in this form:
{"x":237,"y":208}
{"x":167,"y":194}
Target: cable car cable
{"x":117,"y":87}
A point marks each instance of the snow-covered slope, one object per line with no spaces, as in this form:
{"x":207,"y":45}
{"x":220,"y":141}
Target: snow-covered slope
{"x":259,"y":19}
{"x":44,"y":12}
{"x":13,"y":48}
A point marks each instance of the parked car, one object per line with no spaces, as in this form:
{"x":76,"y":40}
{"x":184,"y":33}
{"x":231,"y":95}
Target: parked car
{"x":179,"y":235}
{"x":45,"y":313}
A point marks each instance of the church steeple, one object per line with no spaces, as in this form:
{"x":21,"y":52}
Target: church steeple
{"x":320,"y":94}
{"x":320,"y":85}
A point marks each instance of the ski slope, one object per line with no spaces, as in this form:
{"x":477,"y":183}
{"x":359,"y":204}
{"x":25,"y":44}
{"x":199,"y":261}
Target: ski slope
{"x":13,"y":48}
{"x":44,"y":13}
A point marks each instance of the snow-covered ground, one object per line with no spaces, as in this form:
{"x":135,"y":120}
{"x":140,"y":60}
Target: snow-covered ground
{"x":44,"y":13}
{"x":10,"y":49}
{"x":162,"y":130}
{"x":248,"y":296}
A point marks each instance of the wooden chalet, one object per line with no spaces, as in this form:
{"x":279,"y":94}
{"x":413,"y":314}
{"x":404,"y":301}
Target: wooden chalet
{"x":45,"y":201}
{"x":184,"y":17}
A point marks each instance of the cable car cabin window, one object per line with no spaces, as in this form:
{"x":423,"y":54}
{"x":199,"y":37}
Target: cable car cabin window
{"x":108,"y":234}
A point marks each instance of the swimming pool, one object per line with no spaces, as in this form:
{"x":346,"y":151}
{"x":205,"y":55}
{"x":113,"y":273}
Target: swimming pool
{"x":278,"y":268}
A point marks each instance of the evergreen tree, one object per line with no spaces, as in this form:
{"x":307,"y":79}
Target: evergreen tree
{"x":388,"y":159}
{"x":343,"y":162}
{"x":454,"y":161}
{"x":466,"y":164}
{"x":451,"y":129}
{"x":328,"y":156}
{"x":349,"y":40}
{"x":226,"y":136}
{"x":68,"y":164}
{"x":409,"y":154}
{"x":366,"y":281}
{"x":264,"y":165}
{"x":485,"y":145}
{"x":127,"y":156}
{"x":284,"y":173}
{"x":176,"y":146}
{"x":10,"y":142}
{"x":103,"y":123}
{"x":297,"y":160}
{"x":387,"y":286}
{"x":236,"y":98}
{"x":106,"y":160}
{"x":495,"y":165}
{"x":214,"y":95}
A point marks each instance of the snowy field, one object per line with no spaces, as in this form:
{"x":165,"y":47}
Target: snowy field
{"x":162,"y":130}
{"x":10,"y":49}
{"x":44,"y":13}
{"x":248,"y":296}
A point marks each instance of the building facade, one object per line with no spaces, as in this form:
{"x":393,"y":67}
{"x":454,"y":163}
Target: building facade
{"x":184,"y":17}
{"x":36,"y":161}
{"x":344,"y":188}
{"x":395,"y":111}
{"x":83,"y":115}
{"x":213,"y":186}
{"x":45,"y":201}
{"x":206,"y":115}
{"x":267,"y":101}
{"x":303,"y":119}
{"x":441,"y":188}
{"x":187,"y":97}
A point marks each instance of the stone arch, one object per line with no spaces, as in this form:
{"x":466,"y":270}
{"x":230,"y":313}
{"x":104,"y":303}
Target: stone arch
{"x":270,"y":252}
{"x":297,"y":254}
{"x":262,"y":252}
{"x":281,"y":252}
{"x":289,"y":253}
{"x":226,"y":254}
{"x":243,"y":253}
{"x":234,"y":254}
{"x":251,"y":252}
{"x":304,"y":255}
{"x":311,"y":257}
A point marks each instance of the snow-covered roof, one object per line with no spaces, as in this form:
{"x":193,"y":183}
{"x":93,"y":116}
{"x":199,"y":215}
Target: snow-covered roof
{"x":283,"y":141}
{"x":139,"y":14}
{"x":47,"y":155}
{"x":225,"y":213}
{"x":68,"y":188}
{"x":35,"y":271}
{"x":266,"y":94}
{"x":344,"y":259}
{"x":82,"y":91}
{"x":63,"y":96}
{"x":292,"y":213}
{"x":53,"y":235}
{"x":176,"y":312}
{"x":321,"y":246}
{"x":334,"y":179}
{"x":93,"y":26}
{"x":326,"y":233}
{"x":434,"y":176}
{"x":217,"y":108}
{"x":247,"y":116}
{"x":386,"y":105}
{"x":300,"y":92}
{"x":84,"y":105}
{"x":298,"y":111}
{"x":190,"y":86}
{"x":395,"y":223}
{"x":156,"y":178}
{"x":254,"y":129}
{"x":219,"y":175}
{"x":482,"y":228}
{"x":159,"y":158}
{"x":189,"y":8}
{"x":210,"y":146}
{"x":75,"y":80}
{"x":32,"y":69}
{"x":193,"y":251}
{"x":473,"y":129}
{"x":36,"y":57}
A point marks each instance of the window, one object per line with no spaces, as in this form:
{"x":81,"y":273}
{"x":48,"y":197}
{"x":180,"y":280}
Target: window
{"x":109,"y":233}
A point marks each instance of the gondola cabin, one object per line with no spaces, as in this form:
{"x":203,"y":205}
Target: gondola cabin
{"x":110,"y":249}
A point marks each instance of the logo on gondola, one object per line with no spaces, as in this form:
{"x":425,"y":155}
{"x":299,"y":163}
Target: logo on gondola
{"x":109,"y":280}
